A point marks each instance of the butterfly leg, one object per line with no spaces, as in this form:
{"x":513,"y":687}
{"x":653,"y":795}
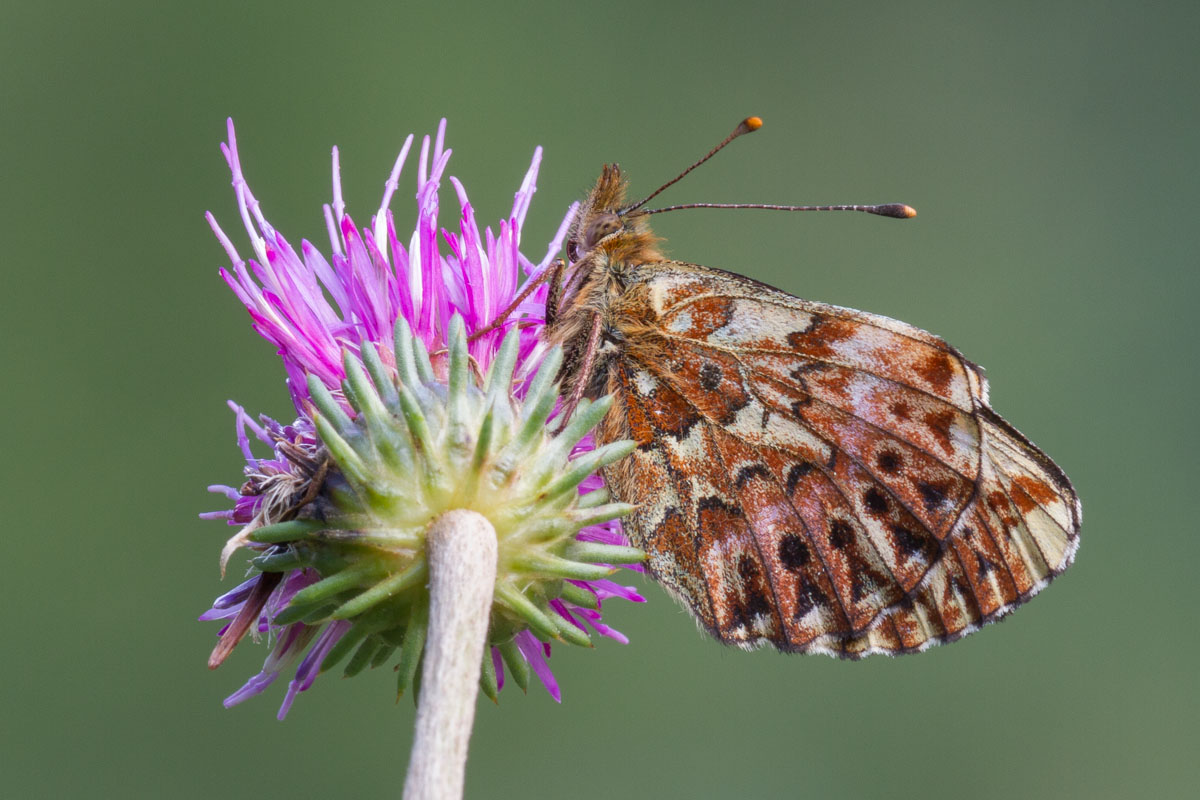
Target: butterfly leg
{"x":554,"y":296}
{"x":553,"y":275}
{"x":584,"y":374}
{"x":315,"y":484}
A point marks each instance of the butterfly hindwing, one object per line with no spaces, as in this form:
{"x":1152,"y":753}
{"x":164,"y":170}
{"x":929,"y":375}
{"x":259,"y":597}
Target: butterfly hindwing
{"x":820,"y":478}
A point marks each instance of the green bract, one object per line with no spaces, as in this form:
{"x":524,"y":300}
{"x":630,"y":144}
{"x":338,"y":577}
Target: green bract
{"x":414,"y":448}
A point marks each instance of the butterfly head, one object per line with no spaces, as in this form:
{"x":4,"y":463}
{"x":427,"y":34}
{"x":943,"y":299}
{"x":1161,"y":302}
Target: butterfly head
{"x":606,"y":230}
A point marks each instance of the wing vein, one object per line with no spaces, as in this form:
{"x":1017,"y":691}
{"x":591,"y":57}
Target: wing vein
{"x":735,"y":351}
{"x":671,"y":470}
{"x":875,"y":426}
{"x":838,"y":312}
{"x":777,"y":608}
{"x":669,"y":380}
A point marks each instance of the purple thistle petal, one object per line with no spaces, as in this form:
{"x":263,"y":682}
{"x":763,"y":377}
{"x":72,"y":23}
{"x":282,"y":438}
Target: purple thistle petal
{"x":533,"y":651}
{"x":561,"y":608}
{"x":229,"y":604}
{"x":339,"y":205}
{"x":296,"y":580}
{"x":291,"y":645}
{"x":214,"y":613}
{"x":593,"y":618}
{"x":524,"y":196}
{"x":243,"y":422}
{"x":229,"y":492}
{"x":312,"y":307}
{"x":254,"y":686}
{"x":605,"y":533}
{"x":310,"y":665}
{"x":605,"y":589}
{"x":498,"y":668}
{"x":393,"y":183}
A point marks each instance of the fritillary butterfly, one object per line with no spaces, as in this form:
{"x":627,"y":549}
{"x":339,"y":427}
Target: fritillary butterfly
{"x":813,"y":477}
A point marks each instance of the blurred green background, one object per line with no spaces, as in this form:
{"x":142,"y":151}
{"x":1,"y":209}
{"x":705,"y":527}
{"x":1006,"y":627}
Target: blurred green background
{"x":1050,"y":149}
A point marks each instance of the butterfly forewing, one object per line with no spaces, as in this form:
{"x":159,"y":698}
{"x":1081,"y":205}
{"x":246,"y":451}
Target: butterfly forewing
{"x":820,"y":478}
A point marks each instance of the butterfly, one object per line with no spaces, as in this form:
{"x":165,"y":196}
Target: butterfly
{"x":813,"y":477}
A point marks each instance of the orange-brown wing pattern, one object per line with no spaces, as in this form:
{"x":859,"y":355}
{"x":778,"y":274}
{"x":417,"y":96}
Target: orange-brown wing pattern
{"x":820,"y":478}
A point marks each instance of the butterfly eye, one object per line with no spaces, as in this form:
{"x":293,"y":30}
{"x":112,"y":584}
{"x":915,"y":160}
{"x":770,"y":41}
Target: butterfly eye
{"x":572,"y":250}
{"x":601,"y":227}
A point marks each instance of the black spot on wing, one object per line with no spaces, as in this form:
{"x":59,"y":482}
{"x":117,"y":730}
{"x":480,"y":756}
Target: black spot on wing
{"x":756,"y":602}
{"x":796,"y":473}
{"x":793,"y":552}
{"x":914,"y":543}
{"x":714,"y":503}
{"x":796,"y":339}
{"x":749,"y":473}
{"x":840,"y":534}
{"x":808,"y":596}
{"x":889,"y":461}
{"x":875,"y":501}
{"x":801,"y":372}
{"x":932,"y":495}
{"x":985,"y":564}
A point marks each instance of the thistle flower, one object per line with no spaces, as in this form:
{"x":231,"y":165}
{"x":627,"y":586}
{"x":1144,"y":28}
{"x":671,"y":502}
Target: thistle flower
{"x":389,"y":436}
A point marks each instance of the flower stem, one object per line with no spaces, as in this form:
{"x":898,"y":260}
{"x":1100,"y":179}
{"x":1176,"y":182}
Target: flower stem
{"x":461,"y":552}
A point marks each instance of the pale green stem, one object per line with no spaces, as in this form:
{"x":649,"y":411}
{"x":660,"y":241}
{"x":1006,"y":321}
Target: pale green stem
{"x":461,"y":552}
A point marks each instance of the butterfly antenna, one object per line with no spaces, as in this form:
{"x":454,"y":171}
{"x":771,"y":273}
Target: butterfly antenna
{"x":897,"y":210}
{"x":748,"y":125}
